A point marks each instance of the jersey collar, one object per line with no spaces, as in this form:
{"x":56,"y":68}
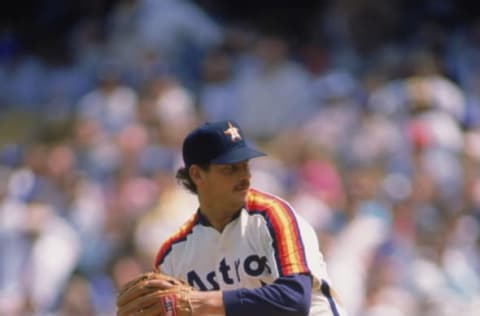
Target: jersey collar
{"x":203,"y":220}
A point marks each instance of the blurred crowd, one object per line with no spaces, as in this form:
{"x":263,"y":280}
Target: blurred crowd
{"x":376,"y":145}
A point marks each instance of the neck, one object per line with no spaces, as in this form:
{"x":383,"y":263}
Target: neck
{"x":218,"y":217}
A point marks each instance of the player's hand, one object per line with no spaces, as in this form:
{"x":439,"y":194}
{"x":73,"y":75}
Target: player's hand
{"x":154,"y":293}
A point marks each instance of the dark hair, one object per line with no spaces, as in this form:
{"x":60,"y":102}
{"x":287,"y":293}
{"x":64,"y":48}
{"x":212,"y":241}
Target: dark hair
{"x":183,"y":177}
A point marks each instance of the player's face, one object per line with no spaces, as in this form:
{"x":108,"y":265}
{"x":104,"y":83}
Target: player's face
{"x":227,"y":184}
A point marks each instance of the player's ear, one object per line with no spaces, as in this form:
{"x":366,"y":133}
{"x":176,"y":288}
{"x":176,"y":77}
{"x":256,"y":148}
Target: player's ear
{"x":195,"y":174}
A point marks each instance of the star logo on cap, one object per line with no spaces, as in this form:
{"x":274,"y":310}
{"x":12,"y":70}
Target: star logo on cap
{"x":233,"y":132}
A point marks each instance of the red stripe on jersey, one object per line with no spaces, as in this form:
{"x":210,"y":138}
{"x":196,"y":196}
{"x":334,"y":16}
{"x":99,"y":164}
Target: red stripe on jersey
{"x":179,"y":235}
{"x":287,"y":242}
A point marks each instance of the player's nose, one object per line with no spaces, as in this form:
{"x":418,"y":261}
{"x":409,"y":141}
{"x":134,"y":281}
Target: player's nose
{"x":243,"y":172}
{"x":246,"y":171}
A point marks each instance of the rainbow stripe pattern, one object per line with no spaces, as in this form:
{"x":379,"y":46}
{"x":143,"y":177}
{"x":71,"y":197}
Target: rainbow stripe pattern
{"x":180,"y":235}
{"x":283,"y":227}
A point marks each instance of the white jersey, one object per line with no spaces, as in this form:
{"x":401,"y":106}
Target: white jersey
{"x":266,"y":240}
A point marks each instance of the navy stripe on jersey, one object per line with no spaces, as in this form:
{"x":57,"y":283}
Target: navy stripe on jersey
{"x":326,"y":291}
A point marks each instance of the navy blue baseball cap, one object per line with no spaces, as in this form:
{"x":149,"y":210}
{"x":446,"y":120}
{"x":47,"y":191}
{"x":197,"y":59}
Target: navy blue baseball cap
{"x":217,"y":142}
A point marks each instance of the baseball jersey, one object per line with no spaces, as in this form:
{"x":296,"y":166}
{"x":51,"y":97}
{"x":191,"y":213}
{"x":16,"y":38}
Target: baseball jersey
{"x":265,"y":241}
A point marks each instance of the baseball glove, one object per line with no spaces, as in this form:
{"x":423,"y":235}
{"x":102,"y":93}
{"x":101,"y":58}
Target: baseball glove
{"x":154,"y":293}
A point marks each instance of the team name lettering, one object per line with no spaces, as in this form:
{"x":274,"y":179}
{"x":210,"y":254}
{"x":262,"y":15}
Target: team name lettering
{"x":253,"y":265}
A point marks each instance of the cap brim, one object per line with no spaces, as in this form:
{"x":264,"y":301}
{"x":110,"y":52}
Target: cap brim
{"x":237,"y":155}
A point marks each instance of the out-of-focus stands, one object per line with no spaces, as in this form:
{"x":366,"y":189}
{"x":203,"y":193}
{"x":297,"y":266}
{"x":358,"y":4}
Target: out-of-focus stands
{"x":378,"y":146}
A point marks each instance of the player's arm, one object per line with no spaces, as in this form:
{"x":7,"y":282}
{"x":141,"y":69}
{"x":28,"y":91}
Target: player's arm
{"x":289,"y":295}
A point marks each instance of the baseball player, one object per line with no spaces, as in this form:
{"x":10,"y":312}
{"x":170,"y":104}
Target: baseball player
{"x":243,"y":252}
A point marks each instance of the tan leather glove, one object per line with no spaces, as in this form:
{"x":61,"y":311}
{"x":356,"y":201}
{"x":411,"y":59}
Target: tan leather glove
{"x":154,"y":293}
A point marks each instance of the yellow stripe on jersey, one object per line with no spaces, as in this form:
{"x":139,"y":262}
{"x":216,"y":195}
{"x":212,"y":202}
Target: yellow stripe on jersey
{"x":283,"y":226}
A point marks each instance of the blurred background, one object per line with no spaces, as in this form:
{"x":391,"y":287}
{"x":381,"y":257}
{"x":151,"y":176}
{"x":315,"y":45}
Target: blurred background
{"x":369,"y":110}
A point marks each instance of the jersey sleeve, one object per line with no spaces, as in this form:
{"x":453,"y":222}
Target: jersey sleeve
{"x":281,"y":235}
{"x":164,"y":261}
{"x":290,"y":295}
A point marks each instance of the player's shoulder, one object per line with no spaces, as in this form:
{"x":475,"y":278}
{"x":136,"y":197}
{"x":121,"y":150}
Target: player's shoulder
{"x":260,"y":201}
{"x":274,"y":210}
{"x":268,"y":205}
{"x":179,"y":236}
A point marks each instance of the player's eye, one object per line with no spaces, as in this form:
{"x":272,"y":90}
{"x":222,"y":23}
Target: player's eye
{"x":234,"y":168}
{"x":228,"y":169}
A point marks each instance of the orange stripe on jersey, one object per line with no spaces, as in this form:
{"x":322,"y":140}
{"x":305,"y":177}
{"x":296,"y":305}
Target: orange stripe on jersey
{"x":179,"y":235}
{"x":282,"y":224}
